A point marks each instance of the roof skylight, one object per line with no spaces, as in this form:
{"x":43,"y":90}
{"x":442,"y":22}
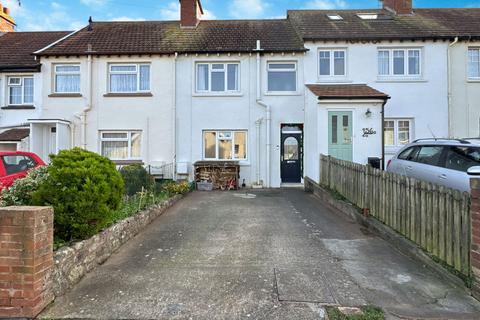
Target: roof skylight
{"x":334,"y":17}
{"x":368,"y":16}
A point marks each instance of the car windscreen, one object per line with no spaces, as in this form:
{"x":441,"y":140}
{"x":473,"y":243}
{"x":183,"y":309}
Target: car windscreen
{"x":462,"y":158}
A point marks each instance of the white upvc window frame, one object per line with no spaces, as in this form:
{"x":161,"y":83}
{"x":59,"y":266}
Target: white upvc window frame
{"x":20,"y":84}
{"x":396,"y":131}
{"x":211,"y":70}
{"x":128,"y":139}
{"x":57,"y":73}
{"x":277,"y":62}
{"x":391,"y":55}
{"x":217,"y":144}
{"x":332,"y":74}
{"x":136,"y":72}
{"x":474,"y":77}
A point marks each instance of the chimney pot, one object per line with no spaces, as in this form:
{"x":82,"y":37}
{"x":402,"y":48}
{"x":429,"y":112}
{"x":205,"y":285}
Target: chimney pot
{"x":191,"y":12}
{"x":401,"y":7}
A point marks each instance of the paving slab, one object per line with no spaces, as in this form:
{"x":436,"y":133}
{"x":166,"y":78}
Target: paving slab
{"x":276,"y":254}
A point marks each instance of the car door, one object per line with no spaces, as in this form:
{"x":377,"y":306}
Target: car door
{"x":404,"y":162}
{"x":428,"y":166}
{"x":458,"y":160}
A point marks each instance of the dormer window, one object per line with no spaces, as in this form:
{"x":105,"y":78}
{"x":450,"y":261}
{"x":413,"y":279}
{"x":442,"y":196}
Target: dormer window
{"x":334,"y":17}
{"x":368,"y":16}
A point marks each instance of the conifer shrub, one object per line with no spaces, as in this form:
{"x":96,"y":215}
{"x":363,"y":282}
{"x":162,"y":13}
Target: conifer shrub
{"x":136,"y":179}
{"x":84,"y":189}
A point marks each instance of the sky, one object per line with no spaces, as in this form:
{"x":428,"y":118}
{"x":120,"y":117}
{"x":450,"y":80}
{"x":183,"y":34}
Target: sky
{"x":35,"y":15}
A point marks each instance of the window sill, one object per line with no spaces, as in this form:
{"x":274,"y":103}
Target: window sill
{"x":473,"y":80}
{"x":127,"y":162}
{"x":400,"y":80}
{"x":121,"y":95}
{"x":279,"y":93}
{"x":334,"y":80}
{"x":209,"y":95}
{"x":65,"y":95}
{"x":19,"y":107}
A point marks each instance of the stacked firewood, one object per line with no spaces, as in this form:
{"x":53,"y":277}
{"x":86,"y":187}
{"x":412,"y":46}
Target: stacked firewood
{"x":223,"y":175}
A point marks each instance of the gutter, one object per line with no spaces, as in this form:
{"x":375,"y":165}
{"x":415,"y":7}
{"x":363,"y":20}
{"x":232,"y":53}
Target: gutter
{"x":449,"y":74}
{"x":268,"y":113}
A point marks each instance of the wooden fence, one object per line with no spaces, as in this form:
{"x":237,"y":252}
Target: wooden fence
{"x":434,"y":217}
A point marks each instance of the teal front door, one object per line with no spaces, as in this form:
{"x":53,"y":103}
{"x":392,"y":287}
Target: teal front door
{"x":340,"y":135}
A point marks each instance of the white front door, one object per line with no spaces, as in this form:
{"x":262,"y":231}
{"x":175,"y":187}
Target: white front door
{"x":52,"y":146}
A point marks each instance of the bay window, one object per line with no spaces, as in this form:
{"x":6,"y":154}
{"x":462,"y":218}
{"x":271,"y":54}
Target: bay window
{"x":225,"y":145}
{"x":474,"y":63}
{"x":282,"y":76}
{"x":129,"y":78}
{"x":217,"y":77}
{"x":332,"y":63}
{"x":399,"y":62}
{"x":397,"y":132}
{"x":121,"y":145}
{"x":67,"y":78}
{"x":20,"y":90}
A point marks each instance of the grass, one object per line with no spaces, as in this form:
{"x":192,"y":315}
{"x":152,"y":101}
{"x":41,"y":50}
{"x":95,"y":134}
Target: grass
{"x":369,"y":313}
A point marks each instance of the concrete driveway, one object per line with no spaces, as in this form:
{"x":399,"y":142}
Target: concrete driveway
{"x":276,"y":254}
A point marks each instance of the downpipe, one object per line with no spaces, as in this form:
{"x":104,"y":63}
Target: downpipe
{"x":268,"y":111}
{"x":449,"y":68}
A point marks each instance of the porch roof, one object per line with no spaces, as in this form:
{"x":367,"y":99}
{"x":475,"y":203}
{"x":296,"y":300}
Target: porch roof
{"x":15,"y":134}
{"x":346,"y":91}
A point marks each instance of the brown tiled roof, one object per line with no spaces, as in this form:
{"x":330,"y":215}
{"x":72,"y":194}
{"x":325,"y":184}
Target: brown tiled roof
{"x":346,"y":91}
{"x":16,"y":48}
{"x":14,"y":134}
{"x":423,"y":24}
{"x":150,"y":37}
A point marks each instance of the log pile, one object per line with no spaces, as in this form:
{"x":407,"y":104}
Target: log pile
{"x":223,"y":175}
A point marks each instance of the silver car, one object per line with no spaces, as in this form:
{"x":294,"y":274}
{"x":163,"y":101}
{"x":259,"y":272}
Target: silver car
{"x":440,"y":161}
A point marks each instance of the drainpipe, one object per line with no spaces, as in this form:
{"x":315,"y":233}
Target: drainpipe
{"x":449,"y":74}
{"x":258,"y":123}
{"x":174,"y":115}
{"x":83,"y":115}
{"x":268,"y":112}
{"x":383,"y":134}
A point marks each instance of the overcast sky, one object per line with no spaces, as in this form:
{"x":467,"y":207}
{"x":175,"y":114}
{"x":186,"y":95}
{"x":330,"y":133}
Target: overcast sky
{"x":35,"y":15}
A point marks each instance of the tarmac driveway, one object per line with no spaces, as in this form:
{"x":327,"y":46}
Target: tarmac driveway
{"x":276,"y":254}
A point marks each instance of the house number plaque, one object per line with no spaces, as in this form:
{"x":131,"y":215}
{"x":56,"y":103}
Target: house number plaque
{"x":368,"y":131}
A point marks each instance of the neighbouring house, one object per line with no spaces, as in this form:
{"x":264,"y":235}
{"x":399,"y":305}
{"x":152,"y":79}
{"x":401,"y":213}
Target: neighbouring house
{"x":7,"y":23}
{"x":21,"y":83}
{"x":270,"y":95}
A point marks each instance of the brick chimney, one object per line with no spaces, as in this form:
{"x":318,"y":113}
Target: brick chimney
{"x":191,"y":12}
{"x":400,"y":7}
{"x":7,"y":24}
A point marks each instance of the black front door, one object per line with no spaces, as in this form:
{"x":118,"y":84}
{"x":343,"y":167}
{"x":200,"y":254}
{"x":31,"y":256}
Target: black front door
{"x":292,"y":156}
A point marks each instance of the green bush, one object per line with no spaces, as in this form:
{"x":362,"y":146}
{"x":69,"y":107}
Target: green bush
{"x":136,"y":179}
{"x":173,"y":187}
{"x":84,"y":189}
{"x":21,"y":191}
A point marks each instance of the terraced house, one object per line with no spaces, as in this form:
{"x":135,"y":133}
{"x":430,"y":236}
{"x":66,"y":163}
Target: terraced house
{"x":271,"y":95}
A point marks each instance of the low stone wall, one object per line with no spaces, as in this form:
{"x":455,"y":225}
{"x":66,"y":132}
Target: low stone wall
{"x":74,"y":262}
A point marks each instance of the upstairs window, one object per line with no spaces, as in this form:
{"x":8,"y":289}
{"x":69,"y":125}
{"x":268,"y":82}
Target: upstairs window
{"x":399,"y":62}
{"x":218,"y":77}
{"x":128,"y":78}
{"x":121,"y":145}
{"x":474,"y":63}
{"x":282,"y":77}
{"x":20,"y":90}
{"x":332,"y":63}
{"x":67,"y":79}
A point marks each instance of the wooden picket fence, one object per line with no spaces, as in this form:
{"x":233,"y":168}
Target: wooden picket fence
{"x":434,"y":217}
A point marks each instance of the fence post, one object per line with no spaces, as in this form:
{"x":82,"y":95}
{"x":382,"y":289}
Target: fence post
{"x":26,"y":261}
{"x":475,"y":231}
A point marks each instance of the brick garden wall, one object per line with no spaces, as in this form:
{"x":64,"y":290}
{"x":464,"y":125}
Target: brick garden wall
{"x":26,"y":260}
{"x":475,"y":251}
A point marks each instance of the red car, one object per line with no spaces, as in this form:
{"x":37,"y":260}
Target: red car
{"x":15,"y":165}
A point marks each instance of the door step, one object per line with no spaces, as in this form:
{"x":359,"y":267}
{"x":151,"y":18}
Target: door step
{"x":292,"y":185}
